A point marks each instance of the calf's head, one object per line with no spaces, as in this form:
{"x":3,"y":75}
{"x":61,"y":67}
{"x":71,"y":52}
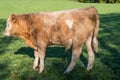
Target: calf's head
{"x":15,"y":25}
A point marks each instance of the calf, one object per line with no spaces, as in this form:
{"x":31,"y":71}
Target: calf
{"x":70,"y":28}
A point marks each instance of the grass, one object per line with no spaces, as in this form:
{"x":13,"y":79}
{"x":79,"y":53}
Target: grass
{"x":16,"y":58}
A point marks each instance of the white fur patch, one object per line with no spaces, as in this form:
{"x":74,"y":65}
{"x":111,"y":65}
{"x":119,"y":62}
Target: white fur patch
{"x":8,"y":28}
{"x":70,"y":41}
{"x":69,"y":22}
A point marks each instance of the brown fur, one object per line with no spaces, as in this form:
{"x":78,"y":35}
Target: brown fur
{"x":42,"y":29}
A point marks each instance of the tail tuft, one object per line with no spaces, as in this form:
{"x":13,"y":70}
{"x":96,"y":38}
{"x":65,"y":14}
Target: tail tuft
{"x":95,"y":45}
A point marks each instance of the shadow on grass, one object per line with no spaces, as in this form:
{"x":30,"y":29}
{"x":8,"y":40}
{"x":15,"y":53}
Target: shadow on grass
{"x":4,"y":43}
{"x":3,"y":71}
{"x":51,"y":52}
{"x":109,"y":41}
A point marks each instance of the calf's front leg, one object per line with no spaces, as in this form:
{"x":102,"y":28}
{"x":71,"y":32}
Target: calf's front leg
{"x":40,"y":54}
{"x":42,"y":57}
{"x":35,"y":63}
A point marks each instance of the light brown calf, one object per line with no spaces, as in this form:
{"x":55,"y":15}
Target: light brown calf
{"x":70,"y":28}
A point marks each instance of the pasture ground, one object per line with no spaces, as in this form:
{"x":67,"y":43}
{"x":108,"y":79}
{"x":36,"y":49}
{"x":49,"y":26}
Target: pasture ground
{"x":16,"y":58}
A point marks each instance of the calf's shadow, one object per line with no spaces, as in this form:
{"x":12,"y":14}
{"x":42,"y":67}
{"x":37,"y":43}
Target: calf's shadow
{"x":51,"y":52}
{"x":56,"y":52}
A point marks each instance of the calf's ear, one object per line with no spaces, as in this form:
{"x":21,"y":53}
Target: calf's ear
{"x":13,"y":18}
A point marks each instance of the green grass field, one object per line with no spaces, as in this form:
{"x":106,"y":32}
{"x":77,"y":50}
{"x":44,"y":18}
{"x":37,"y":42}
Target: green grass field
{"x":16,"y":58}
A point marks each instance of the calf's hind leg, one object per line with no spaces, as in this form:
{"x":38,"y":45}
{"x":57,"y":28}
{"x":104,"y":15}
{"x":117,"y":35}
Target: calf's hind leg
{"x":90,"y":53}
{"x":75,"y":56}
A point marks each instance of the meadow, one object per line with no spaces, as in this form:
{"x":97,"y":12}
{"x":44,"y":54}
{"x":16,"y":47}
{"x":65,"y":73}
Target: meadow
{"x":16,"y":57}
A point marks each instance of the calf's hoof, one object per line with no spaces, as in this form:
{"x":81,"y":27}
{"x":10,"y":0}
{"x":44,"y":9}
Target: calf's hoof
{"x":67,"y":50}
{"x":89,"y":67}
{"x":40,"y":70}
{"x":34,"y":67}
{"x":67,"y":71}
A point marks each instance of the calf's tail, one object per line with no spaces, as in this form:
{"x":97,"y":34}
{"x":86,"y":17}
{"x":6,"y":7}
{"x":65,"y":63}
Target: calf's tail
{"x":94,"y":42}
